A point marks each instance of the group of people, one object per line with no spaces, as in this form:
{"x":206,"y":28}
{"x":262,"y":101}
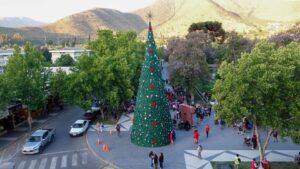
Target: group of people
{"x":155,"y":160}
{"x":254,"y":164}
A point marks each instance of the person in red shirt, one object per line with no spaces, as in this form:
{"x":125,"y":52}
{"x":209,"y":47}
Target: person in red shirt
{"x":207,"y":129}
{"x":171,"y":137}
{"x":196,"y":136}
{"x":254,"y":164}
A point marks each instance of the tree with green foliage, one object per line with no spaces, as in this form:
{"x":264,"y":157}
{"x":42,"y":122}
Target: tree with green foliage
{"x":58,"y":83}
{"x":4,"y":94}
{"x":152,"y":121}
{"x":262,"y":86}
{"x":24,"y":76}
{"x":109,"y":74}
{"x":47,"y":55}
{"x":64,"y":60}
{"x":233,"y":47}
{"x":213,"y":28}
{"x":187,"y":59}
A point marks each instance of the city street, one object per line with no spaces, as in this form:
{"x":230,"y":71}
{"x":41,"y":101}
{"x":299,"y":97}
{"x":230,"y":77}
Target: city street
{"x":64,"y":152}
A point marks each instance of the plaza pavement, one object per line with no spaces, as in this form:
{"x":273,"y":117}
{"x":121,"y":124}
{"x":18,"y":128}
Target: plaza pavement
{"x":221,"y":145}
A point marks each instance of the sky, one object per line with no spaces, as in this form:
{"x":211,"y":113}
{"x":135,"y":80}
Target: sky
{"x":52,"y":10}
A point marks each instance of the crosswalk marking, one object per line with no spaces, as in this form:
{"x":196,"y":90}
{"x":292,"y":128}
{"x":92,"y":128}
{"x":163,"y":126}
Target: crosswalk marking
{"x":74,"y":159}
{"x":84,"y":158}
{"x":32,"y":164}
{"x":53,"y":163}
{"x":43,"y":163}
{"x":22,"y":165}
{"x":64,"y":161}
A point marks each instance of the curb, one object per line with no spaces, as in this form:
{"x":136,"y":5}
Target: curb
{"x":107,"y":163}
{"x":28,"y":132}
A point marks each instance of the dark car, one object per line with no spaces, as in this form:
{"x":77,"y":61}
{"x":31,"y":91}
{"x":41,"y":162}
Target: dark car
{"x":89,"y":115}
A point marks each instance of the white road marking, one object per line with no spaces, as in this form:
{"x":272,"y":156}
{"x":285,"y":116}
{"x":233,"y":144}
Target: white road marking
{"x":64,"y":161}
{"x":32,"y":164}
{"x":22,"y":165}
{"x":84,"y":158}
{"x":74,"y":159}
{"x":53,"y":163}
{"x":43,"y":163}
{"x":68,"y":151}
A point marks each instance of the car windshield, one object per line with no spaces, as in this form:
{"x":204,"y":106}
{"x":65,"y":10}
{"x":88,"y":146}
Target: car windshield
{"x":34,"y":139}
{"x":77,"y":125}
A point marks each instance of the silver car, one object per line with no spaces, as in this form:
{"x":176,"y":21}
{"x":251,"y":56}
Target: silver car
{"x":38,"y":140}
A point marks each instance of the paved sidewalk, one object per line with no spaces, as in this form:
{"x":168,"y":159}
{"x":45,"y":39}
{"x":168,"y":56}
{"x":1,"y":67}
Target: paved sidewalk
{"x":221,"y":145}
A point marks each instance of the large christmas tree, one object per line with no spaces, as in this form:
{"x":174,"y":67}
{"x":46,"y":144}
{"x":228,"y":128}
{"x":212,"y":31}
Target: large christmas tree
{"x":152,"y":121}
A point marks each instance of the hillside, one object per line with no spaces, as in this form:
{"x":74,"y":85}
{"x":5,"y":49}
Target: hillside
{"x":81,"y":25}
{"x":87,"y":22}
{"x":253,"y":18}
{"x":262,"y":17}
{"x":14,"y":22}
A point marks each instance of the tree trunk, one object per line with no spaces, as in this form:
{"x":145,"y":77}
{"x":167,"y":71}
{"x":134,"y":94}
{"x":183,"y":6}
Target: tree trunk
{"x":261,"y":148}
{"x":29,"y":119}
{"x":259,"y":144}
{"x":192,"y":96}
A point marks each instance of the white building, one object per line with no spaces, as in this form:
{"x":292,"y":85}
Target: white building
{"x":75,"y":53}
{"x":56,"y":69}
{"x":4,"y":56}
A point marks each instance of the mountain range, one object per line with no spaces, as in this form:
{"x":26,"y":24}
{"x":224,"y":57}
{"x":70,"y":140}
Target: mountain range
{"x":15,"y":22}
{"x":254,"y":18}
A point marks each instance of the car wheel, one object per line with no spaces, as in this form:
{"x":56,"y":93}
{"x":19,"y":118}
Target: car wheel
{"x":41,"y":150}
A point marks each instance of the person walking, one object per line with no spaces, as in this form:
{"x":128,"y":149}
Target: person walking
{"x":118,"y":128}
{"x":151,"y":156}
{"x":199,"y":150}
{"x":196,"y":136}
{"x":207,"y":129}
{"x":254,"y":141}
{"x":161,"y":160}
{"x":155,"y":161}
{"x":237,"y":161}
{"x":171,"y":137}
{"x":275,"y":136}
{"x":254,"y":164}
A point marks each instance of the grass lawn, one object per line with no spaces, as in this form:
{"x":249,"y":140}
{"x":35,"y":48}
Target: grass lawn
{"x":247,"y":165}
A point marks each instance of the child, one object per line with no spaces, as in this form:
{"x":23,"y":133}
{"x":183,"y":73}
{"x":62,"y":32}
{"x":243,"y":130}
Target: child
{"x":207,"y":129}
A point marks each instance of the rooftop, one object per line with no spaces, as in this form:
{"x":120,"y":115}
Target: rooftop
{"x":70,"y":50}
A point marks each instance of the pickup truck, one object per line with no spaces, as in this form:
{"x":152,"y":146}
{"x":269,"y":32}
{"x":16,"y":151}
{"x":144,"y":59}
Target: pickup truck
{"x":38,"y":141}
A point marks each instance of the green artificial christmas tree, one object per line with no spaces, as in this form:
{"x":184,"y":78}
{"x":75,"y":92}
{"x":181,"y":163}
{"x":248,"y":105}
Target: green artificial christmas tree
{"x":152,"y":121}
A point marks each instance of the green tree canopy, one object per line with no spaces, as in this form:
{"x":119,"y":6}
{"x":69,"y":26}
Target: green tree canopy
{"x":233,"y":47}
{"x":25,"y":77}
{"x":213,"y":28}
{"x":263,"y":86}
{"x":65,"y":60}
{"x":110,"y":74}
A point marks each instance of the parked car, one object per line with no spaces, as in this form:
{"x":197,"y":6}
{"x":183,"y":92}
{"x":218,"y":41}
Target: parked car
{"x":38,"y":141}
{"x":79,"y":127}
{"x":7,"y":165}
{"x":89,"y":115}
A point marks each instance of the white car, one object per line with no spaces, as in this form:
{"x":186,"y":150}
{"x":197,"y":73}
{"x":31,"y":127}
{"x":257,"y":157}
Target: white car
{"x":79,"y":127}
